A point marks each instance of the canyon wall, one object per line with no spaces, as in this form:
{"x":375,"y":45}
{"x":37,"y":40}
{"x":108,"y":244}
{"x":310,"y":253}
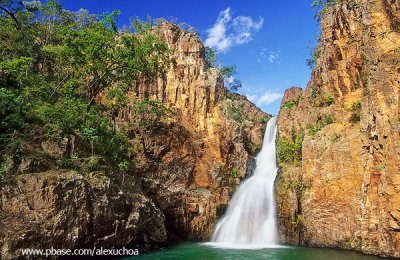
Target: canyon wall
{"x":338,"y":140}
{"x":208,"y":148}
{"x":186,"y":168}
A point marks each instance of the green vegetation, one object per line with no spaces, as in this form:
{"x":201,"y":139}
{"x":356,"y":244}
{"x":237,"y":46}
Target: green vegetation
{"x":263,"y":119}
{"x":319,"y":99}
{"x":93,"y":164}
{"x":290,"y":150}
{"x":71,"y":72}
{"x":297,"y":223}
{"x":328,"y":119}
{"x":227,"y":72}
{"x":321,"y":6}
{"x":313,"y":94}
{"x":211,"y":57}
{"x":356,"y":105}
{"x":149,"y":112}
{"x":329,"y":100}
{"x":290,"y":104}
{"x":381,"y":167}
{"x":233,"y":172}
{"x":234,"y":110}
{"x":321,"y":123}
{"x":314,"y":55}
{"x":356,"y":115}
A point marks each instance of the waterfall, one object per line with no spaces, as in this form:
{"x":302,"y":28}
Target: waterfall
{"x":250,"y":220}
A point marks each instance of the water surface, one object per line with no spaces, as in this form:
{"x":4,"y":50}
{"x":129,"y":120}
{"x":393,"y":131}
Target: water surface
{"x":202,"y":251}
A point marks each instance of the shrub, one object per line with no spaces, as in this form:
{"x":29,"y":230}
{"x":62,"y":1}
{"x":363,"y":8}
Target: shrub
{"x":321,"y":122}
{"x":69,"y":163}
{"x":299,"y":98}
{"x":381,"y":167}
{"x":313,"y":129}
{"x":328,"y":119}
{"x":288,"y":104}
{"x":355,"y":118}
{"x":263,"y":119}
{"x":329,"y":100}
{"x":63,"y":116}
{"x":322,"y":5}
{"x":148,"y":112}
{"x":226,"y":72}
{"x":235,"y":111}
{"x":233,"y":172}
{"x":11,"y":113}
{"x":314,"y":55}
{"x":295,"y":102}
{"x":356,"y":105}
{"x":93,"y":164}
{"x":210,"y":57}
{"x":91,"y":135}
{"x":290,"y":150}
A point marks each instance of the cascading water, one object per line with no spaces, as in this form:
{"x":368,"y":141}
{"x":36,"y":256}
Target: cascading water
{"x":250,"y":221}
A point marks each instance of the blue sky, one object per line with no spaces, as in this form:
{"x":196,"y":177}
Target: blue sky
{"x":267,"y":40}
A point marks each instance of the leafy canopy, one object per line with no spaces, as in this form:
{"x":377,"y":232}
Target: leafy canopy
{"x":72,"y":71}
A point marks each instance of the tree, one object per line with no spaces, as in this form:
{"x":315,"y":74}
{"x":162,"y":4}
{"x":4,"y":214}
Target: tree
{"x":69,"y":73}
{"x":98,"y":56}
{"x":211,"y":57}
{"x":321,"y":6}
{"x":226,"y":72}
{"x":149,"y":112}
{"x":10,"y":8}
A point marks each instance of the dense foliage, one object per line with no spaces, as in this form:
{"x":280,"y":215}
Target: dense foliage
{"x":71,"y":72}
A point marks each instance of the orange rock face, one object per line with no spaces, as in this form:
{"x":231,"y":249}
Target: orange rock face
{"x":220,"y":133}
{"x":344,"y":192}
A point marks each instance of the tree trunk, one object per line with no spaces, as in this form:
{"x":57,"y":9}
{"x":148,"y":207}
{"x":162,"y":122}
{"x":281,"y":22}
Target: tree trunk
{"x":12,"y":15}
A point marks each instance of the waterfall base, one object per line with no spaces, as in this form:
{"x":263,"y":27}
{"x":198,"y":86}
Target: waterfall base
{"x":250,"y":221}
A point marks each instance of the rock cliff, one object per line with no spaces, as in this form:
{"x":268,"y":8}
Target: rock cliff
{"x":186,"y":168}
{"x":210,"y":147}
{"x":338,"y":143}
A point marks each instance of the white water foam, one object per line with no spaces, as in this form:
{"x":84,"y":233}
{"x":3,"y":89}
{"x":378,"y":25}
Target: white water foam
{"x":250,"y":220}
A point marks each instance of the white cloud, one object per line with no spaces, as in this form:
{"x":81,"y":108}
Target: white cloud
{"x":251,"y":97}
{"x":228,"y":31}
{"x":266,"y":98}
{"x":273,"y":56}
{"x":270,"y":56}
